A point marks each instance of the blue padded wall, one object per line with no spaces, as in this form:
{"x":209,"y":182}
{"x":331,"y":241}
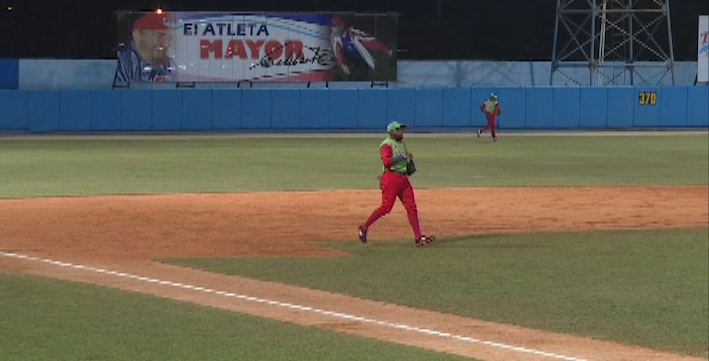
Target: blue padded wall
{"x":456,"y":107}
{"x":513,"y":108}
{"x":647,"y":115}
{"x":105,"y":109}
{"x":567,"y":102}
{"x":673,"y":106}
{"x":226,"y":109}
{"x":698,"y":106}
{"x":256,"y":108}
{"x":429,"y":107}
{"x":314,"y":108}
{"x":621,"y":102}
{"x":286,"y":108}
{"x":43,"y":110}
{"x":13,"y":110}
{"x":343,"y":108}
{"x":539,"y":108}
{"x":136,"y":109}
{"x":371,"y":108}
{"x":593,"y":108}
{"x":75,"y":110}
{"x":197,"y":109}
{"x":167,"y":110}
{"x":400,"y":105}
{"x":348,"y":108}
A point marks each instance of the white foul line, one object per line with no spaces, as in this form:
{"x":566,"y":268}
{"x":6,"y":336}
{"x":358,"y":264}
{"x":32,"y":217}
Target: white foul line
{"x":296,"y":307}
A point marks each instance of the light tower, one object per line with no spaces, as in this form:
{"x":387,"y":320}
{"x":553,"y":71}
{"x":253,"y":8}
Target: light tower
{"x":621,"y":42}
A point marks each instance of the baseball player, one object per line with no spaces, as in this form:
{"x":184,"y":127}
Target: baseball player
{"x":354,"y":44}
{"x":394,"y":183}
{"x":145,"y":59}
{"x":491,"y":109}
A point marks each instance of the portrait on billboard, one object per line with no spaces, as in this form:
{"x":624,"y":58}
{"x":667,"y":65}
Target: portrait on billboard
{"x":264,"y":47}
{"x":145,"y":55}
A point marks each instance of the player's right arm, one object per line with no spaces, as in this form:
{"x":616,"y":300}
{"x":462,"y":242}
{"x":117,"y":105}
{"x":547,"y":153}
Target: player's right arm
{"x":388,"y":158}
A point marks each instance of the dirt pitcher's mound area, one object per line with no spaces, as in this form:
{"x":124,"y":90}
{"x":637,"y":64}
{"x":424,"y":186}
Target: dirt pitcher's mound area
{"x":124,"y":233}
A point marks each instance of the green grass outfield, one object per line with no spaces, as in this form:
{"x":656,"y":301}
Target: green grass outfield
{"x":134,"y":166}
{"x":44,"y":319}
{"x":639,"y":287}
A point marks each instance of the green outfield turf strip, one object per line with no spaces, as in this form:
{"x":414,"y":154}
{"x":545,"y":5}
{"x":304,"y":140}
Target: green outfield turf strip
{"x":43,"y":319}
{"x":645,"y":287}
{"x":91,"y":167}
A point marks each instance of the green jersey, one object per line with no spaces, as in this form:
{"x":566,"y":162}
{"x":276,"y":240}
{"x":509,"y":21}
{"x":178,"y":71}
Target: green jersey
{"x":397,"y":148}
{"x":490,"y":106}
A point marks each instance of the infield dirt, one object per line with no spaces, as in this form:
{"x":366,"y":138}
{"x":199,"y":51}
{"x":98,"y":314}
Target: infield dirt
{"x":126,"y":233}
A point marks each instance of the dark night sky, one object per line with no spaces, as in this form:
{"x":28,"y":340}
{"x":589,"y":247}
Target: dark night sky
{"x":474,"y":29}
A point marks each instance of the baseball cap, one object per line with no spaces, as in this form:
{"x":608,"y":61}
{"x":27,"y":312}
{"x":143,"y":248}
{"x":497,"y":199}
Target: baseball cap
{"x":493,"y":96}
{"x":394,"y":126}
{"x":152,"y":21}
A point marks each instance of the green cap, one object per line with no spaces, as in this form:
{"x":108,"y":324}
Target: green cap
{"x":394,"y":126}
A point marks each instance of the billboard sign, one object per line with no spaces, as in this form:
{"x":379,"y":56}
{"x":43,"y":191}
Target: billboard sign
{"x":279,"y":47}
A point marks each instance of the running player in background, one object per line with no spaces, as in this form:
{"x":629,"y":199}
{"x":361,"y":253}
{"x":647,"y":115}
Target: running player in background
{"x":491,"y":109}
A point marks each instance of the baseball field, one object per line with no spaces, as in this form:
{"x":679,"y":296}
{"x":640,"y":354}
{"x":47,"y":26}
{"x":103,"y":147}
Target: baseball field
{"x":560,"y":246}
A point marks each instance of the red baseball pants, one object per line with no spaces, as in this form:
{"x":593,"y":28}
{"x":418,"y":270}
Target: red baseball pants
{"x":490,"y":124}
{"x":395,"y":184}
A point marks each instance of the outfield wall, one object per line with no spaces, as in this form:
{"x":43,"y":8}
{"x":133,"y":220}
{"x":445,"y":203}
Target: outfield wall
{"x":365,"y":109}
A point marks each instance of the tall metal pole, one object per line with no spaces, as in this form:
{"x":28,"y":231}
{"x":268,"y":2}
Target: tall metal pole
{"x":602,"y":45}
{"x":553,"y":50}
{"x":591,"y":66}
{"x":669,"y":36}
{"x":631,"y":56}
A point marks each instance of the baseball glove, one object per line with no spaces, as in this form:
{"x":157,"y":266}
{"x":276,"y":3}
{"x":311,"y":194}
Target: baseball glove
{"x":410,"y":167}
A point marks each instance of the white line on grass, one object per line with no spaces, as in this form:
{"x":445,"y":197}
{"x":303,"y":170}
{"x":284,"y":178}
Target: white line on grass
{"x":295,"y":306}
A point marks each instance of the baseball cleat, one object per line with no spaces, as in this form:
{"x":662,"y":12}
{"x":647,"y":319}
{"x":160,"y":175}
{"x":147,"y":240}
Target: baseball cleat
{"x":424,"y":240}
{"x":478,"y":133}
{"x":362,"y":234}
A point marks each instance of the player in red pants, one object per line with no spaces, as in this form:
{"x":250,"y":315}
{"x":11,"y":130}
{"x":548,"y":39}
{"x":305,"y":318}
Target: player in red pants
{"x":394,"y":183}
{"x":491,"y":109}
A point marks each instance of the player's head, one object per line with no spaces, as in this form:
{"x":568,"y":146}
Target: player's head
{"x":336,"y":24}
{"x":335,"y":21}
{"x":396,"y":130}
{"x":151,"y":37}
{"x":493,"y":97}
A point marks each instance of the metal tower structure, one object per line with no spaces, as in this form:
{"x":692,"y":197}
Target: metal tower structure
{"x":621,"y":42}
